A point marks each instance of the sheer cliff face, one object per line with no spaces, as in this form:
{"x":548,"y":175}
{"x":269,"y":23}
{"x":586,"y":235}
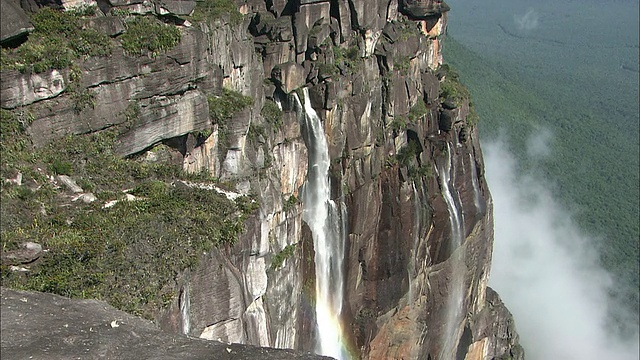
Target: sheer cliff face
{"x":406,"y":167}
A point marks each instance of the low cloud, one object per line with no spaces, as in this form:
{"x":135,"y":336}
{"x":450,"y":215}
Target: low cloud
{"x":546,"y":270}
{"x":528,"y":21}
{"x":538,"y":145}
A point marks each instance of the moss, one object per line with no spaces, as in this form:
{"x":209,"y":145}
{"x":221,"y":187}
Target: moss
{"x":272,"y":114}
{"x":207,"y":10}
{"x":402,"y":64}
{"x":223,"y":107}
{"x":290,"y":203}
{"x":148,"y":35}
{"x":417,"y":111}
{"x":451,"y":88}
{"x":57,"y":41}
{"x":279,"y":258}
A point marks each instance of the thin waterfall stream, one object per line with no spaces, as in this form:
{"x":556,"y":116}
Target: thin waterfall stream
{"x":455,"y":301}
{"x":326,"y":221}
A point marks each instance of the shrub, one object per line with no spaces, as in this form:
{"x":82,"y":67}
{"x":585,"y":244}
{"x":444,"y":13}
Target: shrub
{"x":272,"y":114}
{"x":451,"y":88}
{"x":58,"y":39}
{"x":223,"y":107}
{"x":279,"y":258}
{"x":147,"y":35}
{"x":217,"y":9}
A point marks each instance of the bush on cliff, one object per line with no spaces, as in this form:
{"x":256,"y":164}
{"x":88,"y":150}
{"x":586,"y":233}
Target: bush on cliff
{"x":217,"y":9}
{"x":147,"y":35}
{"x":58,"y":39}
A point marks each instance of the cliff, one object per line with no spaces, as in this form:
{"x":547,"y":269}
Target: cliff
{"x":374,"y":221}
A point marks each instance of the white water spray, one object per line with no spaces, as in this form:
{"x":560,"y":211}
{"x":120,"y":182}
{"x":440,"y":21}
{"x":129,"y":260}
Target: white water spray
{"x":455,"y":302}
{"x":327,"y":226}
{"x":455,"y":217}
{"x":477,"y":201}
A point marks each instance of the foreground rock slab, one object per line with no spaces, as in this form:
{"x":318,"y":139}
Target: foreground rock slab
{"x":46,"y":326}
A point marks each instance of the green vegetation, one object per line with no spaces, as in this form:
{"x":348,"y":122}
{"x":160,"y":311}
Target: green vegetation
{"x":207,"y":10}
{"x":272,"y":114}
{"x":279,"y":258}
{"x":417,"y":111}
{"x":148,"y":35}
{"x":348,"y":59}
{"x":290,"y":203}
{"x":127,"y":254}
{"x":58,"y":39}
{"x":402,"y":64}
{"x":450,"y":88}
{"x":594,"y":145}
{"x":223,"y":107}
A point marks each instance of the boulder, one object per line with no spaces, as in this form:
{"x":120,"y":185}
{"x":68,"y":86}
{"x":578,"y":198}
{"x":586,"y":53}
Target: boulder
{"x":28,"y":252}
{"x":447,"y":118}
{"x":423,"y":9}
{"x":15,"y":22}
{"x":289,"y":76}
{"x":110,"y":25}
{"x":173,"y":7}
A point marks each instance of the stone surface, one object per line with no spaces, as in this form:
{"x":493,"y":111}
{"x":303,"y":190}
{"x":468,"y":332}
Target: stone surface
{"x":26,"y":253}
{"x":14,"y":22}
{"x":175,"y":7}
{"x":47,"y":326}
{"x":289,"y":76}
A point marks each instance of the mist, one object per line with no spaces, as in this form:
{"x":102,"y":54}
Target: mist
{"x":546,"y":269}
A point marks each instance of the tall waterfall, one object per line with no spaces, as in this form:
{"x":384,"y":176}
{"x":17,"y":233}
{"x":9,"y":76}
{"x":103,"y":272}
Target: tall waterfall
{"x":455,"y":215}
{"x":455,"y":312}
{"x":327,"y":226}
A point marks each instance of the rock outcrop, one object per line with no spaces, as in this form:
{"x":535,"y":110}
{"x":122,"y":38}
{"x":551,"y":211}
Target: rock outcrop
{"x":46,"y":326}
{"x":406,"y":169}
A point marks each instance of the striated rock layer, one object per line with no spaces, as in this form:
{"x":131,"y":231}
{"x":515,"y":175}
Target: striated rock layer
{"x":405,"y":161}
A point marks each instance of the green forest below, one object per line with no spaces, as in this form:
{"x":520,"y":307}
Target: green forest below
{"x":593,"y":166}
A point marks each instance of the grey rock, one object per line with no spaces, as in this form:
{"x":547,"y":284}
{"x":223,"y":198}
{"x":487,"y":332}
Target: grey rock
{"x":86,"y":198}
{"x":175,"y":7}
{"x":110,"y":25}
{"x":69,"y":183}
{"x":165,"y":117}
{"x":289,"y":76}
{"x":423,"y":9}
{"x":46,"y":326}
{"x":15,"y":22}
{"x":19,"y":89}
{"x":28,"y":252}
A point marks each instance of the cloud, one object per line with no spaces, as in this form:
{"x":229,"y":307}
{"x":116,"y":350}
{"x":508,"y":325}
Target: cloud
{"x":546,"y":271}
{"x":528,"y":21}
{"x":538,"y":144}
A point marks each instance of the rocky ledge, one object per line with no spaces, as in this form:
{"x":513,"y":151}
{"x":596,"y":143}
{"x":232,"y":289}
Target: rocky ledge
{"x":46,"y":326}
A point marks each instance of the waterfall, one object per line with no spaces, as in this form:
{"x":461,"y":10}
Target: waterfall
{"x":455,"y":217}
{"x":327,"y":226}
{"x":454,"y":308}
{"x":185,"y":310}
{"x":477,"y":201}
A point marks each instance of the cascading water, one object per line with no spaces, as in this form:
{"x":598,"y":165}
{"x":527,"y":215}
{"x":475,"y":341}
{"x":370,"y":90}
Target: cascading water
{"x":455,"y":215}
{"x":327,"y":226}
{"x":455,"y":311}
{"x":477,"y":200}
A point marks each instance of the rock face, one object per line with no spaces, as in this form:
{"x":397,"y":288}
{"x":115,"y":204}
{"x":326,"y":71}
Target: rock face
{"x":15,"y":22}
{"x":46,"y":326}
{"x":406,"y":169}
